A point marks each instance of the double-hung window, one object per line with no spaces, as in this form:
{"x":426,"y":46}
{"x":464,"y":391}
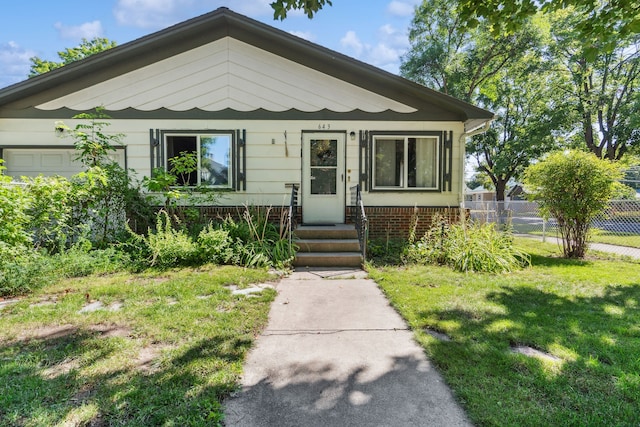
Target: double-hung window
{"x":207,"y":158}
{"x":406,"y":162}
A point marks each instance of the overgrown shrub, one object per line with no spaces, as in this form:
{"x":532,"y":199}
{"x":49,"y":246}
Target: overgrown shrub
{"x":23,"y":272}
{"x":50,"y":210}
{"x":14,"y":220}
{"x":215,"y":245}
{"x":81,"y":260}
{"x":28,"y":270}
{"x":164,"y":246}
{"x":467,"y":246}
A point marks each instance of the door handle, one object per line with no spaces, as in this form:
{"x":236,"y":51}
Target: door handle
{"x":341,"y":177}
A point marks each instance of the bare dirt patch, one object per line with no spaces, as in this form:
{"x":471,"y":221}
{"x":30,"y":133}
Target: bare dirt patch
{"x":534,"y":352}
{"x":107,"y":331}
{"x":49,"y":332}
{"x":61,"y":368}
{"x":147,"y":360}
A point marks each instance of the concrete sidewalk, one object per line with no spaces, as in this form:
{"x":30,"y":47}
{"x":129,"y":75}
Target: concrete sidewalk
{"x":336,"y":354}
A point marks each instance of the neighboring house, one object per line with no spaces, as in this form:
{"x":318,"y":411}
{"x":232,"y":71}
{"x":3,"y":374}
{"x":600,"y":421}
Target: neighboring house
{"x":480,"y":194}
{"x":265,"y":111}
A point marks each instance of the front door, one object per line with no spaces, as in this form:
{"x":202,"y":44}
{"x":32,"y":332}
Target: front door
{"x":323,"y":188}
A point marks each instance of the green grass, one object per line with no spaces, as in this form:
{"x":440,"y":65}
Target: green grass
{"x":586,"y":313}
{"x":620,"y":239}
{"x":598,"y":236}
{"x":167,"y":357}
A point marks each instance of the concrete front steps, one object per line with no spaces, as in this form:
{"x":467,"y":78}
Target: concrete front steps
{"x":327,"y":246}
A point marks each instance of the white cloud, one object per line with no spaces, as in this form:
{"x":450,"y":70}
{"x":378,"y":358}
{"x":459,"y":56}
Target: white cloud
{"x":247,"y":7}
{"x":391,"y":44}
{"x":350,"y":41}
{"x":402,"y":8}
{"x":14,"y":63}
{"x":393,"y":37}
{"x":157,"y":14}
{"x":88,"y":30}
{"x":149,"y":13}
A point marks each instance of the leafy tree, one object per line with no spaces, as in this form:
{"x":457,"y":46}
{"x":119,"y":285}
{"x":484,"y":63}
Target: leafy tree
{"x":93,"y":145}
{"x":573,"y":187}
{"x":479,"y":180}
{"x":603,"y":20}
{"x":455,"y":60}
{"x":504,"y":74}
{"x":529,"y":113}
{"x":105,"y":194}
{"x":310,"y":7}
{"x":605,"y":86}
{"x":85,"y":49}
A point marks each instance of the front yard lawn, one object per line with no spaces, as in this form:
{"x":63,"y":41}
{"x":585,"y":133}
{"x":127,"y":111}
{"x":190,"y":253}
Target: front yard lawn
{"x":126,"y":349}
{"x":579,"y":321}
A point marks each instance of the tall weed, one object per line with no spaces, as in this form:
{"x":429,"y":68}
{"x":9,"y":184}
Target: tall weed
{"x":468,"y":247}
{"x":166,"y":246}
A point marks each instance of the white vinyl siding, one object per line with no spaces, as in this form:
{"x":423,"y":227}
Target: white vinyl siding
{"x":227,"y":74}
{"x":273,"y":158}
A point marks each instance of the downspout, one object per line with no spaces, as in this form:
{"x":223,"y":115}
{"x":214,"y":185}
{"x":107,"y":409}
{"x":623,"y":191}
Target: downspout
{"x":461,"y":143}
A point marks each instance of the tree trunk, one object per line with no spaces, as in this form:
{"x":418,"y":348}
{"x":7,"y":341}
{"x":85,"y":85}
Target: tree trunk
{"x":502,"y":217}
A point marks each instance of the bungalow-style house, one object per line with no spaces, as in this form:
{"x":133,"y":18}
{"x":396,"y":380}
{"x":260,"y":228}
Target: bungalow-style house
{"x":265,"y":111}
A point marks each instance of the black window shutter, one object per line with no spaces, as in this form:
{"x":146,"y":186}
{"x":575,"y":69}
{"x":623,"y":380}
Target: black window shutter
{"x":240,"y":154}
{"x":447,"y":161}
{"x":363,"y":161}
{"x":155,"y":150}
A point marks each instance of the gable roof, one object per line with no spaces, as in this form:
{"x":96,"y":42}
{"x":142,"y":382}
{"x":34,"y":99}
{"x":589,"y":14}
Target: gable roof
{"x":394,"y":97}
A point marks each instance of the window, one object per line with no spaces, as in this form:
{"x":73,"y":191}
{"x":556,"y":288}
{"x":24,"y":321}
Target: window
{"x":406,"y":162}
{"x":205,"y":159}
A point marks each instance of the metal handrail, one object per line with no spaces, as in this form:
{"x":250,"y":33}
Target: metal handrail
{"x":361,"y":222}
{"x":291,"y":216}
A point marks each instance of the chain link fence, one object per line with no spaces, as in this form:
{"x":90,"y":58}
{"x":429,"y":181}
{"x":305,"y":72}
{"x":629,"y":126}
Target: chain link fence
{"x":617,"y":230}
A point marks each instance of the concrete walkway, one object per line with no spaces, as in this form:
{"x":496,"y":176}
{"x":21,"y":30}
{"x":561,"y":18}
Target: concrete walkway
{"x":336,"y":354}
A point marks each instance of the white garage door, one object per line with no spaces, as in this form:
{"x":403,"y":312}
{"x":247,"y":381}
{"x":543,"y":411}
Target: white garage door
{"x":51,"y":161}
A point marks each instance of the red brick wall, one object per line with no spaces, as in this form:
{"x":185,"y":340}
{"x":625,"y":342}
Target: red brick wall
{"x":384,"y":221}
{"x":237,"y":212}
{"x":395,"y":221}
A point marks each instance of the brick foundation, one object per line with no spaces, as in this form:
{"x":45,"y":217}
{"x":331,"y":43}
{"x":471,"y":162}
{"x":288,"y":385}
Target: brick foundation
{"x":395,"y":221}
{"x":237,"y":212}
{"x":384,"y":221}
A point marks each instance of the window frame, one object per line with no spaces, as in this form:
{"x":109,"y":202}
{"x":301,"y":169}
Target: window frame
{"x":405,"y":135}
{"x":198,"y":134}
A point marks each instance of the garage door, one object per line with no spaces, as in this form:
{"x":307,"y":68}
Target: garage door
{"x":54,"y":161}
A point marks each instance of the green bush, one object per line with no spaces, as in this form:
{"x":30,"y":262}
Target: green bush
{"x":168,"y":246}
{"x":28,"y":270}
{"x":215,"y":245}
{"x":467,"y":247}
{"x":80,"y":260}
{"x":24,"y":272}
{"x":50,"y":212}
{"x":574,"y":187}
{"x":14,"y":220}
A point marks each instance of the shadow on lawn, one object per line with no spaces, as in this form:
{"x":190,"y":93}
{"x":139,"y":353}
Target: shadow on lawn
{"x":597,"y":337}
{"x":44,"y":380}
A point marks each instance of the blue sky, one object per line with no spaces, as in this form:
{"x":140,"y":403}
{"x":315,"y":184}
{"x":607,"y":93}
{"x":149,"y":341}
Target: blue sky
{"x":373,"y":31}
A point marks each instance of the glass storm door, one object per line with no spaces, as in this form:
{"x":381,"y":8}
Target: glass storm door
{"x":323,"y":187}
